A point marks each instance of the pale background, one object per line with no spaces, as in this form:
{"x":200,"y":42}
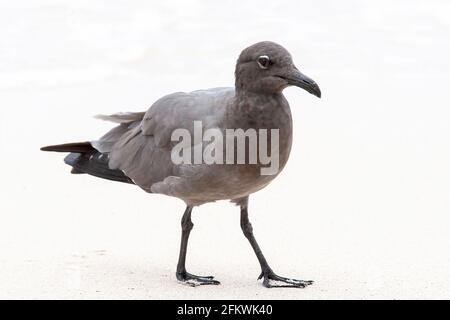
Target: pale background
{"x":363,"y":206}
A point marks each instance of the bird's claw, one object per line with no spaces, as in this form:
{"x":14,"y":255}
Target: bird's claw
{"x":195,"y":281}
{"x":271,"y":280}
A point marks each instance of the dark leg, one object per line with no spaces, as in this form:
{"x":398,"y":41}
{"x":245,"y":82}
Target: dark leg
{"x":182,"y":274}
{"x":270,"y":278}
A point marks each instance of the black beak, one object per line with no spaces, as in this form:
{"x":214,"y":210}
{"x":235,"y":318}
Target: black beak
{"x":298,"y":79}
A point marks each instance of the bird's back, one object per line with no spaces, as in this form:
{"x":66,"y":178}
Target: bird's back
{"x":141,"y":146}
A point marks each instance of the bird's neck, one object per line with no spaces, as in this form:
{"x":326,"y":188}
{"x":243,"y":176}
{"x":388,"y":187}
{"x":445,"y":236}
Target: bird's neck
{"x":250,"y":109}
{"x":257,"y":101}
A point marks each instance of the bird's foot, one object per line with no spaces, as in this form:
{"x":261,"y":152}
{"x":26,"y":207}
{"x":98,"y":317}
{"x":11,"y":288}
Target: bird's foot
{"x":194,"y":281}
{"x":271,"y":280}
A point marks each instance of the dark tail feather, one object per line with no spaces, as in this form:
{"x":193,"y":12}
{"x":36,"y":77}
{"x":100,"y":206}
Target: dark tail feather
{"x":78,"y":147}
{"x":95,"y":164}
{"x":84,"y":158}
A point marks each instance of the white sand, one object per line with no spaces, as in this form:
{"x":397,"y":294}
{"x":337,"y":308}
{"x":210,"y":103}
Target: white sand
{"x":363,"y":207}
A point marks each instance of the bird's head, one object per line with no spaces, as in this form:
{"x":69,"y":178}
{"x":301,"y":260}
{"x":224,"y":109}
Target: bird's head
{"x":267,"y":67}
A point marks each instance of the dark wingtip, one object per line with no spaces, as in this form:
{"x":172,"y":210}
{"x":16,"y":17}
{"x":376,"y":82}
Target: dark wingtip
{"x":315,"y":90}
{"x":78,"y":147}
{"x":53,"y":148}
{"x":47,"y":148}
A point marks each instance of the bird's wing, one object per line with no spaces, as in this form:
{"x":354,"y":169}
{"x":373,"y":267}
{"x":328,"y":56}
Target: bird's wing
{"x":180,"y":110}
{"x":142,"y":149}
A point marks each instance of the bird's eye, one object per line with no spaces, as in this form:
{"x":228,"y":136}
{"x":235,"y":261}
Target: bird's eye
{"x":264,"y":62}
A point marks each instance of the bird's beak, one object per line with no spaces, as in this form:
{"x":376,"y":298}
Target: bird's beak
{"x":298,"y":79}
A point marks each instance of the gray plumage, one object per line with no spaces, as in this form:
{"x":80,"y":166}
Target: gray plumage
{"x":138,"y":150}
{"x":140,"y":146}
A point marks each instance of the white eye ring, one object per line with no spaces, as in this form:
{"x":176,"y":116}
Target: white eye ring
{"x":263,"y":62}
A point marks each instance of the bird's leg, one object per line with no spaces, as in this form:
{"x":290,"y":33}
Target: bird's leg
{"x":182,"y":274}
{"x":270,"y":280}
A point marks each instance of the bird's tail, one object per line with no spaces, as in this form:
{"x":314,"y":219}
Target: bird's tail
{"x":93,"y":157}
{"x":84,"y":158}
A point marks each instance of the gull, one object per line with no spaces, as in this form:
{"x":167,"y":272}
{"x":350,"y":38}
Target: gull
{"x":139,"y":149}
